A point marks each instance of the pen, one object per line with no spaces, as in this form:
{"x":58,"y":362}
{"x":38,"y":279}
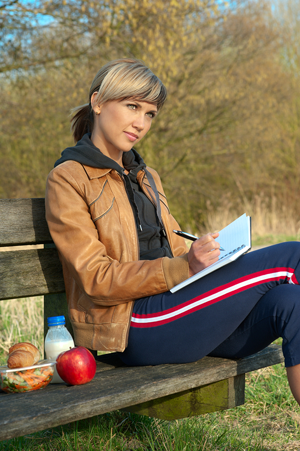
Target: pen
{"x":188,"y":236}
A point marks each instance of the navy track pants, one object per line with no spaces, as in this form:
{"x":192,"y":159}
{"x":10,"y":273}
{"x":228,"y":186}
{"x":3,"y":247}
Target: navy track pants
{"x":233,"y":312}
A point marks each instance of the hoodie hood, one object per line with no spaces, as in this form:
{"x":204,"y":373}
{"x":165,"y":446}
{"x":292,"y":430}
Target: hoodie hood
{"x":85,"y":152}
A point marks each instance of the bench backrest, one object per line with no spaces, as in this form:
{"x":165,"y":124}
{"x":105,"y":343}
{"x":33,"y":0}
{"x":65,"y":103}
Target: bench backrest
{"x":27,"y":272}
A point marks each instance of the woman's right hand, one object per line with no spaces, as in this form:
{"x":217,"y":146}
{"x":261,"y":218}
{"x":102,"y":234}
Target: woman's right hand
{"x":203,"y":252}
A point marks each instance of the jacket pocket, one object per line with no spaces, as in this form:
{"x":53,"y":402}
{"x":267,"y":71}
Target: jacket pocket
{"x":103,"y":202}
{"x":105,"y":212}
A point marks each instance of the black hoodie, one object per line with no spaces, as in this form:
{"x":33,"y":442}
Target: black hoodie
{"x":151,"y":234}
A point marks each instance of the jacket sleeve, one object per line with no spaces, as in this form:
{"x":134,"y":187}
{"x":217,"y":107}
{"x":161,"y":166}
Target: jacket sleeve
{"x":85,"y":258}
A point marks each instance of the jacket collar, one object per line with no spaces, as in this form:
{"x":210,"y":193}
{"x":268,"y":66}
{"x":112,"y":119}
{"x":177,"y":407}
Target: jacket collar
{"x":96,"y":173}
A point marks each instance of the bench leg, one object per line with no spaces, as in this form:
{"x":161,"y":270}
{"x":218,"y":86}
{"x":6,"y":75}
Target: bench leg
{"x":220,"y":395}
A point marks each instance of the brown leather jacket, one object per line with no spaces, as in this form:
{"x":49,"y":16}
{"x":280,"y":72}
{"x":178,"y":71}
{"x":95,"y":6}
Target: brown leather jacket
{"x":93,"y":227}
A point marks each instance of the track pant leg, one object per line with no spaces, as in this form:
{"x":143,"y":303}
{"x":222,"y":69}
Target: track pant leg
{"x":191,"y":323}
{"x":277,"y":314}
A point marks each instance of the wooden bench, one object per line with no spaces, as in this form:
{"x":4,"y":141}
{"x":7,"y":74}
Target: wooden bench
{"x":164,"y":391}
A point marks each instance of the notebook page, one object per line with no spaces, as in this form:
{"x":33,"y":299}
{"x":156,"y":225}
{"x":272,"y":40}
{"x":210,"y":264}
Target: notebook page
{"x":234,"y":237}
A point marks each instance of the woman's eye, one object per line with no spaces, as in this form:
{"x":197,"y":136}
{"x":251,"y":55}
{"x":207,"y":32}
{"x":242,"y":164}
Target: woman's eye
{"x":151,"y":115}
{"x":132,"y":106}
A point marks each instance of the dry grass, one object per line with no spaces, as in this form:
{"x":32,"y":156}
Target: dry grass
{"x":273,"y":220}
{"x":21,"y":320}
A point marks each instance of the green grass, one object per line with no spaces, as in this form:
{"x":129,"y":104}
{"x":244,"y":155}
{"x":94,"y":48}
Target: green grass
{"x":267,"y":240}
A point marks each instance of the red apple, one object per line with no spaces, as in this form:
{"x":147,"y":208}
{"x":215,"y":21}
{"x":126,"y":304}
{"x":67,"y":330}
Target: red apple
{"x":76,"y":366}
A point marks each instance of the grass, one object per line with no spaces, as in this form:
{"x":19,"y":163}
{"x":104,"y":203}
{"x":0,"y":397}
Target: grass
{"x":271,"y":223}
{"x":267,"y":240}
{"x":21,"y":320}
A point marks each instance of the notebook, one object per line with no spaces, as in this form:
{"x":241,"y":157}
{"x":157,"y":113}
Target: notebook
{"x":235,"y":239}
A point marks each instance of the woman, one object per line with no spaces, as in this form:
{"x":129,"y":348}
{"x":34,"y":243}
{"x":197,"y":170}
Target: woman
{"x":110,"y":221}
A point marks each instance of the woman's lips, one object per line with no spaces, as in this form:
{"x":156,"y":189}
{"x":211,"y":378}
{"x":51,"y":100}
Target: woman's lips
{"x":131,"y":136}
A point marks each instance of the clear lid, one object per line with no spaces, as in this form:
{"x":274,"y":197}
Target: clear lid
{"x":56,"y":320}
{"x":40,"y":364}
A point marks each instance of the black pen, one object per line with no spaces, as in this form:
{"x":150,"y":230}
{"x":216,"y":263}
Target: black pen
{"x":188,"y":236}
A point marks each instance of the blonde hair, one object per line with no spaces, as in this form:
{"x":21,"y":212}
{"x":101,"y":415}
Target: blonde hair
{"x":118,"y":80}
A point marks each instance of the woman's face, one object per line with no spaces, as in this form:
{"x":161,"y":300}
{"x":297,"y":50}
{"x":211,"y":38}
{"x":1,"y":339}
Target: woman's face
{"x":121,"y":125}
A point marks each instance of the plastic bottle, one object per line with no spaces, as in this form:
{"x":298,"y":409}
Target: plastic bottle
{"x":58,"y":339}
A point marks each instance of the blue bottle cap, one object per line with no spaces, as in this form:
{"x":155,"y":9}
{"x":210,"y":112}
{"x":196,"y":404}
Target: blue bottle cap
{"x":56,"y":320}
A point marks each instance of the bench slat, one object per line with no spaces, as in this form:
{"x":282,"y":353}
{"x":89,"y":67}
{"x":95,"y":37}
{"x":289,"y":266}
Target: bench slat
{"x":30,"y":273}
{"x":22,"y":221}
{"x":118,"y":388}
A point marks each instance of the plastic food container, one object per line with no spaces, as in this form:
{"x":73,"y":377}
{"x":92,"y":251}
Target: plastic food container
{"x":18,"y":380}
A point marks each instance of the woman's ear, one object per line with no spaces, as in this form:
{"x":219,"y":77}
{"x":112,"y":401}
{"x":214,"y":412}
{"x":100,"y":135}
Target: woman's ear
{"x":95,"y":107}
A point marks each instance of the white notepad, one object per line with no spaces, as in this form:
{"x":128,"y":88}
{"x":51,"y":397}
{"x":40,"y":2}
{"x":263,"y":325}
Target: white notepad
{"x":235,"y":239}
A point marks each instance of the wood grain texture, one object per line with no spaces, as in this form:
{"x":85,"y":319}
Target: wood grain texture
{"x":117,"y":388}
{"x":22,"y":221}
{"x":220,"y":395}
{"x":30,"y":273}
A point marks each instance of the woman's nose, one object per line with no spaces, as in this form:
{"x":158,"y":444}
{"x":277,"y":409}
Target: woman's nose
{"x":139,"y":122}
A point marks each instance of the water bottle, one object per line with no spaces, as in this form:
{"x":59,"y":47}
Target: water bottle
{"x":58,"y":339}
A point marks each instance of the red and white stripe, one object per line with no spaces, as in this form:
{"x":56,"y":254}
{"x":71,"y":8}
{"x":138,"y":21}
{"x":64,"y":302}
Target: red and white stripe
{"x":213,"y":296}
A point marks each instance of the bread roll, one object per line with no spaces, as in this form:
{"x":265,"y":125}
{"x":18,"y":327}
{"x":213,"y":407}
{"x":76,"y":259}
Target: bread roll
{"x":22,"y":354}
